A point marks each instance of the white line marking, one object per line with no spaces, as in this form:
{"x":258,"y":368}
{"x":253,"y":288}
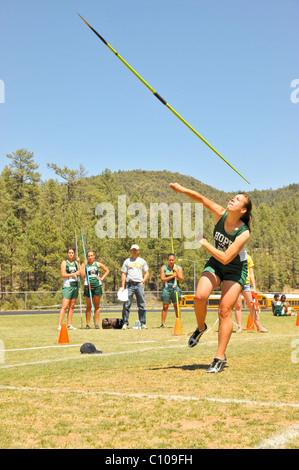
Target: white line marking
{"x":202,"y":343}
{"x":42,"y":347}
{"x":83,"y":356}
{"x":280,"y":440}
{"x":152,"y":396}
{"x":149,"y":341}
{"x":139,"y":342}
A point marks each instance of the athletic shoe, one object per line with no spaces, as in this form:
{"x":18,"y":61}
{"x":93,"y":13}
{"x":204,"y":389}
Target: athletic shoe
{"x":193,"y":340}
{"x":217,"y":365}
{"x":162,"y":325}
{"x":58,"y":328}
{"x":87,"y":327}
{"x":96,"y":327}
{"x":143,"y":326}
{"x":70,"y":327}
{"x":125,"y":326}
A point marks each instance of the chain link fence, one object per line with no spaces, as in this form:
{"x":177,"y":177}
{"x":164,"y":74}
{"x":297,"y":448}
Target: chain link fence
{"x":52,"y":300}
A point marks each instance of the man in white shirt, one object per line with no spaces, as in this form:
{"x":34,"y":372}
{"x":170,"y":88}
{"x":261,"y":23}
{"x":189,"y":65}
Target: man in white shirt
{"x":132,"y":278}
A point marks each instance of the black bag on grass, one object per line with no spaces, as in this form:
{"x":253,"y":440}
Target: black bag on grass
{"x":109,"y":323}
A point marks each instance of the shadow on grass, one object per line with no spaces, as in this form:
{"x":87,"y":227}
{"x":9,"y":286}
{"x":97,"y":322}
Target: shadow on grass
{"x":186,"y":367}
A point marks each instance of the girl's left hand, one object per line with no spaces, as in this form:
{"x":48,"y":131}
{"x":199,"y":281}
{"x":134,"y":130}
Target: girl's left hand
{"x":200,"y":239}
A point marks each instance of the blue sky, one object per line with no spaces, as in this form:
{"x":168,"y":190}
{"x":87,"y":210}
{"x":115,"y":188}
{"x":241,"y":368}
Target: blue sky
{"x":226,"y":66}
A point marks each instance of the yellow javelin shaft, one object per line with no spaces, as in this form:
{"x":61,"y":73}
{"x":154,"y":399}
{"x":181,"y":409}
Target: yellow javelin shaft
{"x":176,"y":283}
{"x":160,"y":97}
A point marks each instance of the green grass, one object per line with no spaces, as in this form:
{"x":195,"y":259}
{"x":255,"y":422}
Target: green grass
{"x":148,"y":389}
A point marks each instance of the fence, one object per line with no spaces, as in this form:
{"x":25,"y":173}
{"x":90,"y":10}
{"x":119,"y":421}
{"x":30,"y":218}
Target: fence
{"x":43,"y":300}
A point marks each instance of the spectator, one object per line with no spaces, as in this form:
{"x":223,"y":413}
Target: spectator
{"x":70,"y":272}
{"x":247,"y":290}
{"x":171,"y":275}
{"x":274,"y":302}
{"x":132,"y":279}
{"x":93,"y":268}
{"x":283,"y":308}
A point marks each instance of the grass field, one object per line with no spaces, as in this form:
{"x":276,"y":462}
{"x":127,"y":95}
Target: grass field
{"x":147,"y":390}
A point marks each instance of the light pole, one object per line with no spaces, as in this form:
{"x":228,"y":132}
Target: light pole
{"x":194,"y":264}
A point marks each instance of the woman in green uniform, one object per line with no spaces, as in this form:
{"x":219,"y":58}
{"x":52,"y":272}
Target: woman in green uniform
{"x":228,"y":264}
{"x":70,"y":270}
{"x":171,"y":275}
{"x":93,"y":268}
{"x":283,"y":308}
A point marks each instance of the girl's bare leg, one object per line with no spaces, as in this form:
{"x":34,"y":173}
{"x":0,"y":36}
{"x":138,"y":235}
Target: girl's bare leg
{"x":65,"y":304}
{"x":71,"y":311}
{"x":88,"y":310}
{"x":164,"y":313}
{"x":255,"y":318}
{"x":207,"y":283}
{"x":238,"y":313}
{"x":96,"y":304}
{"x":229,"y":295}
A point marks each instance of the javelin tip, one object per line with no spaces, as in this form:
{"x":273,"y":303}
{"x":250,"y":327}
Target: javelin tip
{"x":83,"y":19}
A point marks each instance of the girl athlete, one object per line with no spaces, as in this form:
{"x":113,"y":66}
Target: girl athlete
{"x":247,"y":290}
{"x":70,"y":270}
{"x":228,"y":264}
{"x":93,"y":268}
{"x":283,"y":308}
{"x":171,"y":275}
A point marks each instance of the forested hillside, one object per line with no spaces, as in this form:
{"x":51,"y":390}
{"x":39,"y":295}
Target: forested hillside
{"x":38,"y":220}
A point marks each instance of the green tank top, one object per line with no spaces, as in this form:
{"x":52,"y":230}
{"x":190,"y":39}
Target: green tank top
{"x":170,"y":272}
{"x":93,"y":272}
{"x":222,"y":239}
{"x":279,"y":308}
{"x":70,"y":268}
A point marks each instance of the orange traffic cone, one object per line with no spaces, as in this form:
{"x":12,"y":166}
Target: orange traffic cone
{"x":64,"y":336}
{"x":178,"y":327}
{"x":250,"y":324}
{"x":297,"y":321}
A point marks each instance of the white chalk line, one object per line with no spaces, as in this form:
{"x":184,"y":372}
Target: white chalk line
{"x":75,"y":345}
{"x":151,"y":396}
{"x":280,"y":440}
{"x":201,"y":343}
{"x":84,"y":356}
{"x":42,"y":347}
{"x":133,"y":342}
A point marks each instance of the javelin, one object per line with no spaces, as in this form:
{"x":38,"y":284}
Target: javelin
{"x":87,"y":275}
{"x":78,"y":279}
{"x":160,"y":97}
{"x":176,"y":285}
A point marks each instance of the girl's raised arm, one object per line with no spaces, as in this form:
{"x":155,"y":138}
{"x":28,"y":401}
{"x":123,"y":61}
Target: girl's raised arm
{"x":214,"y":208}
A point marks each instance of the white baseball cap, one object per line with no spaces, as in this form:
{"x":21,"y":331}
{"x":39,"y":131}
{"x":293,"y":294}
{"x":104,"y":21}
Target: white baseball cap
{"x":134,"y":246}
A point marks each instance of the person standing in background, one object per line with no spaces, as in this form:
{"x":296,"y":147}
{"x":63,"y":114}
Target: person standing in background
{"x":70,"y":272}
{"x":93,"y":268}
{"x":274,"y":302}
{"x":171,"y":275}
{"x":247,"y":290}
{"x":132,"y":278}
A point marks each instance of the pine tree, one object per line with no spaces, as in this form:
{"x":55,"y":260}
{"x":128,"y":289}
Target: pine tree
{"x":22,"y":185}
